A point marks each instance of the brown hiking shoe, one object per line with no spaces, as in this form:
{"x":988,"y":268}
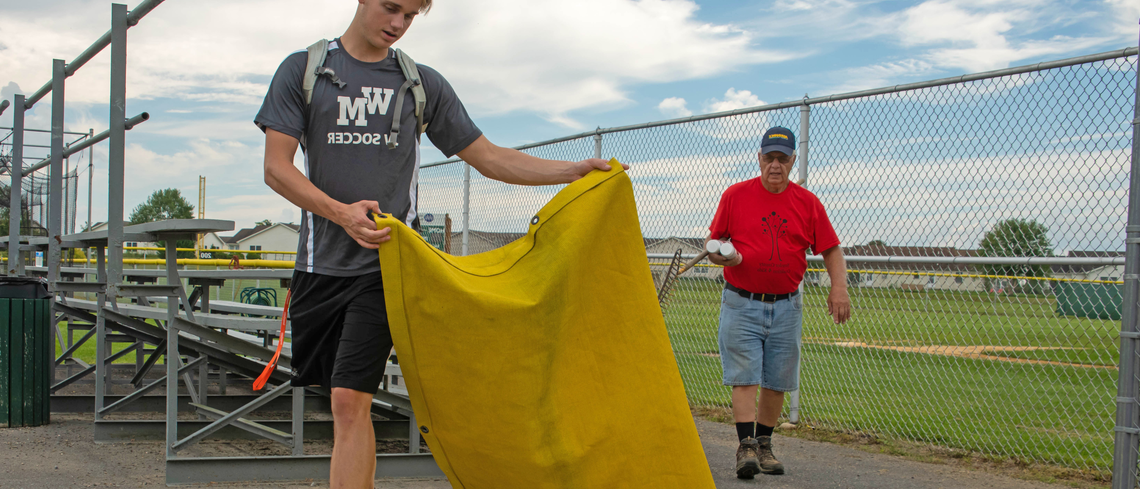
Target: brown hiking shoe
{"x":768,"y":462}
{"x":747,"y":461}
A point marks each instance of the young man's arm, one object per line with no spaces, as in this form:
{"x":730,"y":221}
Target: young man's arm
{"x":512,"y":166}
{"x":286,"y":180}
{"x":838,"y":302}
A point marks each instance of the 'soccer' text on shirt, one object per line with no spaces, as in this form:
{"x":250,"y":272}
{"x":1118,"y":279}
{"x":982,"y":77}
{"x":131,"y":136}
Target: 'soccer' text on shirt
{"x":374,"y":101}
{"x":358,"y":138}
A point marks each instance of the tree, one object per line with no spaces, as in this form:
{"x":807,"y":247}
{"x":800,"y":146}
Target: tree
{"x":167,"y":203}
{"x":876,"y":242}
{"x":1017,"y":237}
{"x":265,"y":222}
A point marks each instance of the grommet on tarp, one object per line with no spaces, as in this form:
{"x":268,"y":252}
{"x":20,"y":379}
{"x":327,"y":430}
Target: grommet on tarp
{"x":534,"y":220}
{"x":424,"y":429}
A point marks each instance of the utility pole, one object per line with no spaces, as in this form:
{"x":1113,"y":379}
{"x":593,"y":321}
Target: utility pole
{"x":201,"y":213}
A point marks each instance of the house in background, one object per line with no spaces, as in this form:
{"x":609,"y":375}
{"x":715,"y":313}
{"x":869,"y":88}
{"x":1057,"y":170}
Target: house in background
{"x":688,"y":247}
{"x":281,"y":236}
{"x":1108,"y":273}
{"x":913,"y":276}
{"x":480,"y":241}
{"x":102,"y":226}
{"x":211,"y":241}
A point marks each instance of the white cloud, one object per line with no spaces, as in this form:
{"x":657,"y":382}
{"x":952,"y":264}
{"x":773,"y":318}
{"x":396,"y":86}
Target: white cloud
{"x":674,"y":107}
{"x":879,"y":75}
{"x":974,"y":36}
{"x":734,"y":99}
{"x":551,"y":58}
{"x":1122,"y":22}
{"x":556,"y":57}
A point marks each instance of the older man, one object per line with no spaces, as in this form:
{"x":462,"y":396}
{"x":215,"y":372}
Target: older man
{"x":771,"y":222}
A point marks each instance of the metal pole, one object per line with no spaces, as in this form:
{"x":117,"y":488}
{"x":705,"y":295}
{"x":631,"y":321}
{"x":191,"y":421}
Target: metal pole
{"x":87,"y":143}
{"x":173,"y":358}
{"x":298,"y":417}
{"x":101,"y":350}
{"x":805,"y":116}
{"x":90,"y":175}
{"x":802,"y":159}
{"x":67,"y":189}
{"x":15,"y":261}
{"x":598,"y":143}
{"x":466,"y":206}
{"x":1124,"y":457}
{"x":115,"y":151}
{"x":55,"y":174}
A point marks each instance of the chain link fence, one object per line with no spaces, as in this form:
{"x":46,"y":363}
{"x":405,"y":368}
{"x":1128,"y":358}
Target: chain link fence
{"x":35,"y":188}
{"x":984,"y":223}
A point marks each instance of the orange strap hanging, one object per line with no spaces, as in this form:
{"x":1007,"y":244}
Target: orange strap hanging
{"x":264,"y":377}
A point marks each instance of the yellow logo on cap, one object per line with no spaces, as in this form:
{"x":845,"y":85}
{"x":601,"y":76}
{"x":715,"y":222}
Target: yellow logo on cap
{"x":781,"y":136}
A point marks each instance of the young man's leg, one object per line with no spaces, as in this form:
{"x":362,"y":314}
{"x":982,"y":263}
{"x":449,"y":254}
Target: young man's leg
{"x":354,"y":445}
{"x":362,"y":356}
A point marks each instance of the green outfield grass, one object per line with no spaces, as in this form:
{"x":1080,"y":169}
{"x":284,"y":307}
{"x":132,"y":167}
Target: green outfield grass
{"x":1004,"y":406}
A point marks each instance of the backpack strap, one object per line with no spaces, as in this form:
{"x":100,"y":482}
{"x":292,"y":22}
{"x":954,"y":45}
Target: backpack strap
{"x":412,"y":77}
{"x":317,"y":53}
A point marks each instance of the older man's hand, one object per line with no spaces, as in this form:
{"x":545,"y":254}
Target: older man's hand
{"x":839,"y":305}
{"x":717,"y":259}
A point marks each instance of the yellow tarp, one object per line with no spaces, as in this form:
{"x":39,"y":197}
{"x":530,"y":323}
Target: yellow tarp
{"x":545,"y":363}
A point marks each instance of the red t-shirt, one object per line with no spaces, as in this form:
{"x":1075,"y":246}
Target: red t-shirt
{"x":771,"y":232}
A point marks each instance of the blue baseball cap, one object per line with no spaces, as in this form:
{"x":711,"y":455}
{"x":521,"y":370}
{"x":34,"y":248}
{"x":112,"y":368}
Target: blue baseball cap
{"x":778,"y":139}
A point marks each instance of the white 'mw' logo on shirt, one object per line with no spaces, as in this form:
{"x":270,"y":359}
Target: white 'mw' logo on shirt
{"x":374,"y":100}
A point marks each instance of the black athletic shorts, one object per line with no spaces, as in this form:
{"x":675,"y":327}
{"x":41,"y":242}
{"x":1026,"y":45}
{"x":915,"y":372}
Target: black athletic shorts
{"x":340,"y":331}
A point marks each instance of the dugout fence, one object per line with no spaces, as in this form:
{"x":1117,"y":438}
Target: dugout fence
{"x":978,"y":214}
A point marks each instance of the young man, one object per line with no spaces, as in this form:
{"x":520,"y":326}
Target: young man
{"x":772,"y":222}
{"x":340,"y":329}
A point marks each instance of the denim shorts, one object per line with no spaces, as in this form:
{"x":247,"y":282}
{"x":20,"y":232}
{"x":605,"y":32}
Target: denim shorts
{"x":760,"y":341}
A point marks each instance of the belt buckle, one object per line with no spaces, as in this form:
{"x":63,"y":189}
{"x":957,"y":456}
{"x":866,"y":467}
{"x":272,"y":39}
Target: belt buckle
{"x":765,"y":298}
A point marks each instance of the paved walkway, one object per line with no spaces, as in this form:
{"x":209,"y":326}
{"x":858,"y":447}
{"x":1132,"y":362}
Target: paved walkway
{"x":63,"y":455}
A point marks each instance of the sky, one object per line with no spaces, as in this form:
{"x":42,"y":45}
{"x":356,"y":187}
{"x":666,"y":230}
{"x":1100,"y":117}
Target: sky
{"x":526,"y":71}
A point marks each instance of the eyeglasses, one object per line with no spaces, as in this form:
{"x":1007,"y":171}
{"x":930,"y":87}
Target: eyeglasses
{"x":768,"y":158}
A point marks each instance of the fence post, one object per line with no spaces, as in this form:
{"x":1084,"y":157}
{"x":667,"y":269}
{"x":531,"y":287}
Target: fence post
{"x":802,"y":158}
{"x":55,"y":174}
{"x":1124,"y":457}
{"x":466,"y":206}
{"x":598,"y":142}
{"x":15,"y":261}
{"x":805,"y":116}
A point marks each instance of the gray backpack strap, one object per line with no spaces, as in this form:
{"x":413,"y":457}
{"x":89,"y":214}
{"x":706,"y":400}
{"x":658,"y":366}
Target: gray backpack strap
{"x":412,"y":77}
{"x":317,"y":53}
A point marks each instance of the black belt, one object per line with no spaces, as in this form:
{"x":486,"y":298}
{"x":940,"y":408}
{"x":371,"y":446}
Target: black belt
{"x":759,"y":297}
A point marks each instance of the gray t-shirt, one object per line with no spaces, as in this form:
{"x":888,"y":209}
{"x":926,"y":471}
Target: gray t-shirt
{"x":346,"y":155}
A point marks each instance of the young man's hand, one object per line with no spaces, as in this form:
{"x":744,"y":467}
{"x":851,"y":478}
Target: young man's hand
{"x":581,"y":168}
{"x":355,"y":221}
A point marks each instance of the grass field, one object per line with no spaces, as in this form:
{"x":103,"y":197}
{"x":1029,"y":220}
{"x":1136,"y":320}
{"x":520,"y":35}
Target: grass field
{"x":1047,"y":405}
{"x":893,"y":370}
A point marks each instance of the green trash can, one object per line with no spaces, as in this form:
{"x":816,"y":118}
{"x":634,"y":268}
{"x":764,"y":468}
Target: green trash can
{"x":25,"y":352}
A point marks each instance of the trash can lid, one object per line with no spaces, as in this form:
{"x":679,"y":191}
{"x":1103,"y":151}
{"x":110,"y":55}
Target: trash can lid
{"x":23,"y":288}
